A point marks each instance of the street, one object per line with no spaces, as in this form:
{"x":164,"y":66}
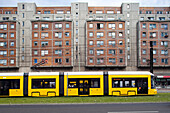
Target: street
{"x":88,"y":108}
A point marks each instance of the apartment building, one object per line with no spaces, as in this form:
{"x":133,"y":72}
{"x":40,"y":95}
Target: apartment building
{"x":84,"y":38}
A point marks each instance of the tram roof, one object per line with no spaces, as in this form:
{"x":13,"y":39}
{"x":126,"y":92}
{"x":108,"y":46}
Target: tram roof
{"x":11,"y":74}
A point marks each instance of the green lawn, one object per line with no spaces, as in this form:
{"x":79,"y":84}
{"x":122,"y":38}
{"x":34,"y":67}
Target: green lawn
{"x":161,"y":97}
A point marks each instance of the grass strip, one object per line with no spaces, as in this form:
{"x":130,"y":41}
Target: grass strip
{"x":161,"y":97}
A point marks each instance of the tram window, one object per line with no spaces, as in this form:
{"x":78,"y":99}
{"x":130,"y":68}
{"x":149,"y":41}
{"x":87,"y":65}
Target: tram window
{"x":72,"y":83}
{"x":15,"y":84}
{"x":127,"y":84}
{"x":43,"y":83}
{"x":133,"y":83}
{"x":95,"y":83}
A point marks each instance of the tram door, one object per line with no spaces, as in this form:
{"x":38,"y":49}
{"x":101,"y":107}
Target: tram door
{"x":4,"y":87}
{"x":84,"y":87}
{"x":142,"y":85}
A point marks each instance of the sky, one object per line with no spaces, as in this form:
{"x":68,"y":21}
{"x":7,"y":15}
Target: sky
{"x":39,"y":3}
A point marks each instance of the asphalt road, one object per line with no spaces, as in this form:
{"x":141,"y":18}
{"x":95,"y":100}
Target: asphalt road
{"x":88,"y":108}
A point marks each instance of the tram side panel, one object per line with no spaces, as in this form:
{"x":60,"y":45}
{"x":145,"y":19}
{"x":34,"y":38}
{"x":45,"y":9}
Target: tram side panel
{"x":11,"y":84}
{"x":83,"y":84}
{"x":43,"y":84}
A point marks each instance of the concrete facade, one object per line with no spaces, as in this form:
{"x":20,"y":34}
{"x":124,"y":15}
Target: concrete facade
{"x":79,"y":15}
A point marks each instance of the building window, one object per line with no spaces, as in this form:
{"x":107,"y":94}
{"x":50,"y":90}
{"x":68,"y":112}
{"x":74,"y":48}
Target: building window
{"x":35,"y":34}
{"x":44,"y":52}
{"x":58,"y":35}
{"x":144,"y":43}
{"x":112,"y":51}
{"x":4,"y":53}
{"x":76,"y":23}
{"x":154,"y":60}
{"x":112,"y":34}
{"x":164,"y":60}
{"x":58,"y":43}
{"x":76,"y":6}
{"x":91,"y":60}
{"x":112,"y":26}
{"x":14,"y":18}
{"x":120,"y":34}
{"x":76,"y":31}
{"x":121,"y":60}
{"x":44,"y":43}
{"x":35,"y":26}
{"x":12,"y":35}
{"x":100,"y":60}
{"x":99,"y":26}
{"x":161,"y":18}
{"x":23,"y":7}
{"x":91,"y":51}
{"x":67,"y":60}
{"x":35,"y":61}
{"x":67,"y":43}
{"x":90,"y":34}
{"x":58,"y":60}
{"x":118,"y":12}
{"x":99,"y":12}
{"x":90,"y":25}
{"x":22,"y":57}
{"x":159,"y":12}
{"x":120,"y":51}
{"x":47,"y":12}
{"x":23,"y":15}
{"x":43,"y":35}
{"x":154,"y":52}
{"x":67,"y":26}
{"x":144,"y":51}
{"x":23,"y":40}
{"x":11,"y":52}
{"x":35,"y":43}
{"x":100,"y":51}
{"x":113,"y":43}
{"x":150,"y":18}
{"x":90,"y":42}
{"x":152,"y":26}
{"x":120,"y":25}
{"x":110,"y":12}
{"x":164,"y":34}
{"x":60,"y":12}
{"x":7,"y":12}
{"x":11,"y":43}
{"x":164,"y":43}
{"x":141,"y":18}
{"x":120,"y":42}
{"x":12,"y":26}
{"x":100,"y":34}
{"x":35,"y":52}
{"x":164,"y":52}
{"x":152,"y":34}
{"x":58,"y":52}
{"x":112,"y":60}
{"x":128,"y":15}
{"x":143,"y":34}
{"x":67,"y":34}
{"x":144,"y":26}
{"x":100,"y":43}
{"x":12,"y":61}
{"x":22,"y":32}
{"x":128,"y":6}
{"x":144,"y":60}
{"x":154,"y":43}
{"x":59,"y":26}
{"x":164,"y":26}
{"x":44,"y":26}
{"x":148,"y":12}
